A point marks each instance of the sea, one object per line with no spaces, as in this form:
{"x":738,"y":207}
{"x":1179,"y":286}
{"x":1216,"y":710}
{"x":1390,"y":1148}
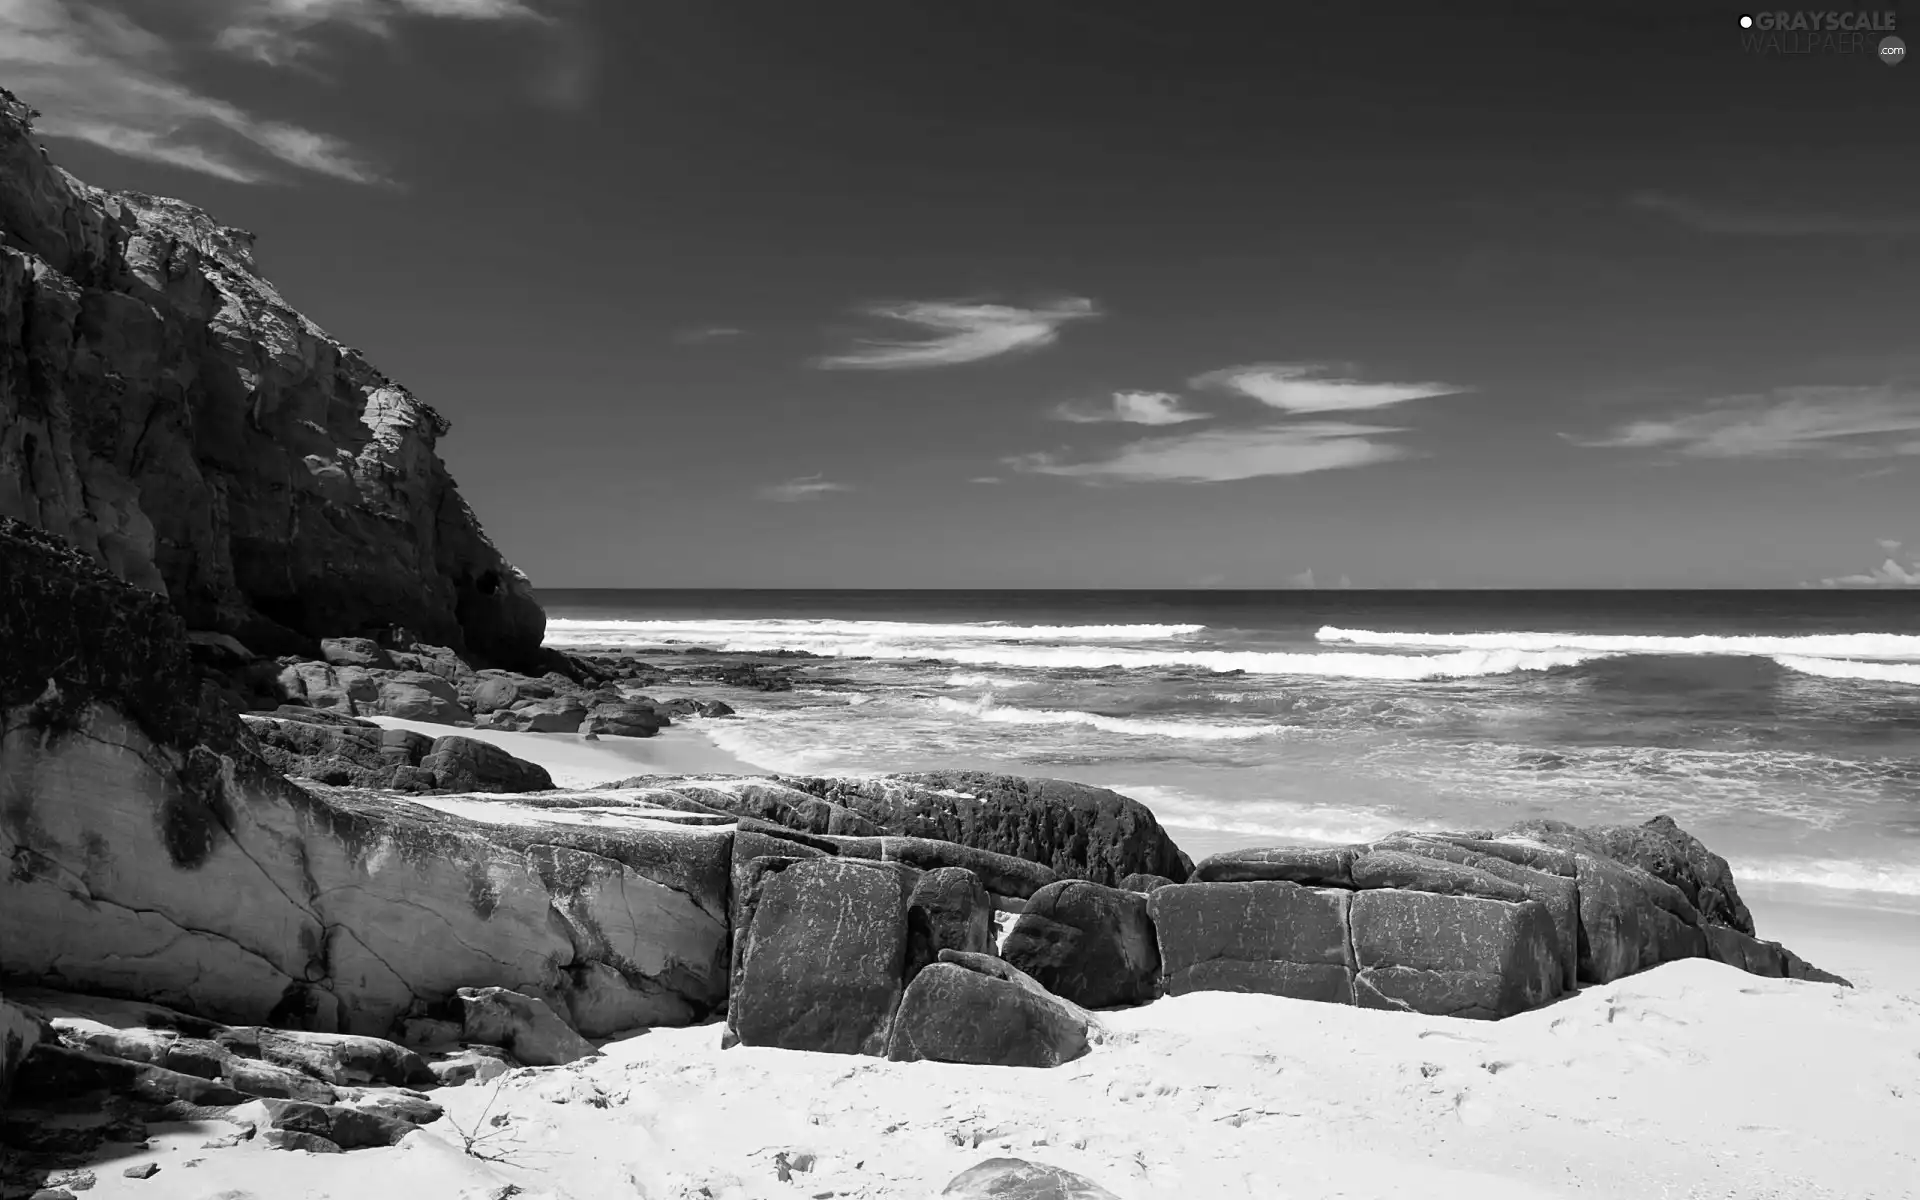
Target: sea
{"x":1782,"y":728}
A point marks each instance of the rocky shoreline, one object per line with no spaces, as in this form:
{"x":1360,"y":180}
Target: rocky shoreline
{"x":227,"y":544}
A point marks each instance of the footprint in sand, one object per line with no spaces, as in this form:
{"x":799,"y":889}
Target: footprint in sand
{"x":1448,"y":1035}
{"x":1472,"y":1111}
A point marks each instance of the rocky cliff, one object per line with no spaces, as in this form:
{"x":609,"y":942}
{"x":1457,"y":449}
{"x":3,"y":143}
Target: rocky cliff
{"x":164,"y":409}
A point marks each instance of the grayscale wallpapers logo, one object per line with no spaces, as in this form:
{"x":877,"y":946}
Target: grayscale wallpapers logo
{"x":1809,"y":31}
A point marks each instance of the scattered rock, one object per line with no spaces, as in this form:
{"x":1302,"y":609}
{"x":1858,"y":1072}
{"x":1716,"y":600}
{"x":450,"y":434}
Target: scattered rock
{"x":1018,"y":1179}
{"x":1274,"y":937}
{"x":293,"y":1139}
{"x":464,"y":764}
{"x":521,"y":1025}
{"x":146,"y":1170}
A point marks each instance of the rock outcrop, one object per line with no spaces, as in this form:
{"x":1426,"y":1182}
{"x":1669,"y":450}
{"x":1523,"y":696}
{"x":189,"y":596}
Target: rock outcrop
{"x":163,"y":408}
{"x":155,"y":854}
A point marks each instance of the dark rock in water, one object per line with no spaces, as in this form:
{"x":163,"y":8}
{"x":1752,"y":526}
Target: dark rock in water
{"x":1077,"y":830}
{"x":715,"y":708}
{"x":1018,"y":1179}
{"x":949,"y":909}
{"x":1089,"y":944}
{"x":284,"y":490}
{"x":975,"y":1008}
{"x":523,"y":1026}
{"x":824,"y":956}
{"x":465,"y":764}
{"x":1453,"y":955}
{"x":1274,"y":937}
{"x":1309,"y":865}
{"x":1142,"y":883}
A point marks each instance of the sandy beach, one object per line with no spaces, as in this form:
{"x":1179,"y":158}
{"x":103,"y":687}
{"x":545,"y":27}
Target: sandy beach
{"x":1692,"y":1080}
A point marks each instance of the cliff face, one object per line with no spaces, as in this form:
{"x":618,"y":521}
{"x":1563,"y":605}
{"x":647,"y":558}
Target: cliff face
{"x":163,"y":408}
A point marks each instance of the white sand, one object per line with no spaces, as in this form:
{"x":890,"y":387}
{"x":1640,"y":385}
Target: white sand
{"x":1692,"y":1081}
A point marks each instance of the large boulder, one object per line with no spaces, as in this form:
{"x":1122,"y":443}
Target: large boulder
{"x":823,"y":957}
{"x":21,"y":1029}
{"x":1274,"y":937}
{"x":1663,"y":850}
{"x":164,"y":408}
{"x":419,"y":696}
{"x":1543,"y":875}
{"x":1453,"y":955}
{"x":464,"y":764}
{"x":1092,"y":945}
{"x":978,"y":1009}
{"x":1078,"y":830}
{"x":623,"y":718}
{"x":1630,"y":920}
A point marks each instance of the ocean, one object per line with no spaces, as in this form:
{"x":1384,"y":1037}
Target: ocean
{"x":1783,"y":728}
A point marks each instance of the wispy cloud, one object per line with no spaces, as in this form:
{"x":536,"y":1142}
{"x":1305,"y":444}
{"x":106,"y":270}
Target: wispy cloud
{"x":1313,"y":388}
{"x":1217,"y":456}
{"x":1756,"y":222}
{"x":807,"y":487}
{"x":1132,"y":408}
{"x":960,"y":332}
{"x":279,"y":32}
{"x":1797,"y":422}
{"x":100,"y":77}
{"x":709,"y":333}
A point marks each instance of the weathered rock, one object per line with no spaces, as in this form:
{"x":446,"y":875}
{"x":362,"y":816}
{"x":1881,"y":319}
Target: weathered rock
{"x":1453,"y":955}
{"x":715,"y":708}
{"x":419,"y":696}
{"x":163,"y":407}
{"x":949,"y":909}
{"x":293,"y":1139}
{"x":355,"y":652}
{"x":21,"y":1030}
{"x":1273,"y":937}
{"x":1079,"y":831}
{"x":521,"y":1025}
{"x":975,"y":1008}
{"x":470,"y":1064}
{"x":1018,"y":1179}
{"x":562,"y":714}
{"x":1089,"y":944}
{"x":824,"y":956}
{"x":1663,"y":850}
{"x":464,"y":764}
{"x":1003,"y":875}
{"x":1142,"y":883}
{"x":623,"y":718}
{"x":339,"y":1058}
{"x":154,"y":854}
{"x":347,"y":1128}
{"x":1376,"y":868}
{"x":1548,"y":878}
{"x":1758,"y":957}
{"x":1630,"y":921}
{"x":773,"y":802}
{"x":1309,"y":865}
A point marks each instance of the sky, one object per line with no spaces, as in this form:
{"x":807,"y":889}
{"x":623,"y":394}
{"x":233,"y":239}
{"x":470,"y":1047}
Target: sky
{"x":1075,"y":293}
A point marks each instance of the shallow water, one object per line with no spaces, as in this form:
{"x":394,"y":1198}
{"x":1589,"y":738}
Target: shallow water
{"x":1782,"y":728}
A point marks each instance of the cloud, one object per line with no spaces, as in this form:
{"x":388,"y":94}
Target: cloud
{"x":710,"y":333}
{"x":1218,"y":456}
{"x":960,"y":332}
{"x":280,"y":32}
{"x":102,"y":78}
{"x":1133,"y":408}
{"x":1796,"y":422}
{"x":1747,"y":222}
{"x":1890,"y":545}
{"x":807,"y":487}
{"x":1293,"y":387}
{"x":986,"y":479}
{"x":1889,"y":574}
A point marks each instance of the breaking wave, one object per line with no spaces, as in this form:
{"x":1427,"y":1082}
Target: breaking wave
{"x":987,"y":710}
{"x":1817,"y":645}
{"x":821,"y":635}
{"x":1842,"y":668}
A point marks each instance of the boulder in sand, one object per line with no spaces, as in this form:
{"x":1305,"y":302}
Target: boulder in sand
{"x":1272,"y":937}
{"x":523,"y":1026}
{"x":979,"y":1009}
{"x":1018,"y":1179}
{"x":1090,"y":944}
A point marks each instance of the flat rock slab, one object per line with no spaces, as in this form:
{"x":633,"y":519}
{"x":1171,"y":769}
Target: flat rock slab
{"x":1091,"y":944}
{"x":523,"y":1026}
{"x":823,"y":962}
{"x":1275,"y":938}
{"x":1309,"y":865}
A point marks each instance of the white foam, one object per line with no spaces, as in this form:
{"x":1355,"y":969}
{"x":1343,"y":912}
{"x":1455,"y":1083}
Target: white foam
{"x":1462,"y":665}
{"x":998,"y":683}
{"x":1899,"y":879}
{"x":1843,"y":668}
{"x":1821,"y":645}
{"x":808,"y":633}
{"x":987,"y":710}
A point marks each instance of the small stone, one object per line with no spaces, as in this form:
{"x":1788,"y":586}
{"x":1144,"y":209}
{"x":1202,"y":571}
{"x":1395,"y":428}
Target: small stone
{"x":146,"y":1170}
